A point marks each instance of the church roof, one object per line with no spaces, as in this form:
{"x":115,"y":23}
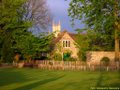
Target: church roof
{"x":60,"y":35}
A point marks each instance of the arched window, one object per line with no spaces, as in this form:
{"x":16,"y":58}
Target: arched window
{"x":68,"y":43}
{"x":63,"y":43}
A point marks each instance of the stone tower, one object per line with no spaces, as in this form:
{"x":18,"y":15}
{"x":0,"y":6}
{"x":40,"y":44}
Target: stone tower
{"x":56,"y":28}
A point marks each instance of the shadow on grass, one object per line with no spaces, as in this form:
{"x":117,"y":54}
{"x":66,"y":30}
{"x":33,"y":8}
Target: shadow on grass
{"x":114,"y":83}
{"x":38,"y":83}
{"x":117,"y":83}
{"x":9,"y":76}
{"x":100,"y":80}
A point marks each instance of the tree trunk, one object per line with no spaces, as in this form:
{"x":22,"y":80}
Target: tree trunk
{"x":116,"y":26}
{"x":116,"y":47}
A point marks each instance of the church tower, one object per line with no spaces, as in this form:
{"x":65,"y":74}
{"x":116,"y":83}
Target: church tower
{"x":56,"y":28}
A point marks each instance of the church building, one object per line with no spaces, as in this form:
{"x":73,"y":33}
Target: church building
{"x":64,"y":41}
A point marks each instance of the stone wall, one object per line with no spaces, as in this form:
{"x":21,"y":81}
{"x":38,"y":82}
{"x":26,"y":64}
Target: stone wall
{"x":96,"y":56}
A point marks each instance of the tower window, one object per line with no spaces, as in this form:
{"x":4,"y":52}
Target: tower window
{"x":66,"y":43}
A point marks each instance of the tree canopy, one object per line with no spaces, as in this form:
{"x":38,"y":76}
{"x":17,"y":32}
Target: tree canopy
{"x":16,"y":19}
{"x":97,"y":15}
{"x":38,"y":12}
{"x":101,"y":16}
{"x":10,"y":21}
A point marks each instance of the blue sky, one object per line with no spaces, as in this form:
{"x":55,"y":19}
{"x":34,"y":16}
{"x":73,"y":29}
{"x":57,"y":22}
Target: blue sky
{"x":58,"y":9}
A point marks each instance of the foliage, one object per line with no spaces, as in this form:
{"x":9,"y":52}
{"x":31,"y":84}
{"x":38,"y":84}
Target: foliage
{"x":100,"y":19}
{"x":73,"y":59}
{"x":7,"y":52}
{"x":29,"y":45}
{"x":57,"y":56}
{"x":16,"y":22}
{"x":10,"y":21}
{"x":68,"y":51}
{"x":70,"y":59}
{"x":97,"y":42}
{"x":105,"y":61}
{"x":67,"y":55}
{"x":82,"y":43}
{"x":90,"y":41}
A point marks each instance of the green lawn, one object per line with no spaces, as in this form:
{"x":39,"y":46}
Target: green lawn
{"x":36,"y":79}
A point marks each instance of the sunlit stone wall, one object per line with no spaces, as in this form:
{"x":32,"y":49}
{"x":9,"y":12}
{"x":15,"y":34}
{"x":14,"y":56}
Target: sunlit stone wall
{"x":96,"y":56}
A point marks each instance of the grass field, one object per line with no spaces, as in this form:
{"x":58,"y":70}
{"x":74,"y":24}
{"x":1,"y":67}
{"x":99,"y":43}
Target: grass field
{"x":35,"y":79}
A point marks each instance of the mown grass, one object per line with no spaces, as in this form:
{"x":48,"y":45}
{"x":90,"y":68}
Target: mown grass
{"x":36,"y":79}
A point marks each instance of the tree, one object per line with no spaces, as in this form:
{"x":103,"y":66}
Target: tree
{"x":29,"y":45}
{"x":17,"y":18}
{"x":10,"y":20}
{"x":102,"y":16}
{"x":117,"y":28}
{"x":38,"y":12}
{"x":82,"y":43}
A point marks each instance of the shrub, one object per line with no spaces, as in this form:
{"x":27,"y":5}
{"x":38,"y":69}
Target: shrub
{"x":57,"y":56}
{"x":82,"y":55}
{"x":66,"y":56}
{"x":72,"y":59}
{"x":105,"y":61}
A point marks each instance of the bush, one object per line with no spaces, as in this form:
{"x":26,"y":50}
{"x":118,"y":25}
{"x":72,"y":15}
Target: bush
{"x":70,"y":59}
{"x":66,"y":56}
{"x":105,"y":61}
{"x":82,"y":55}
{"x":57,"y":56}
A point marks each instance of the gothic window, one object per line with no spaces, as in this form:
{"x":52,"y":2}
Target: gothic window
{"x":63,"y":43}
{"x":66,"y":43}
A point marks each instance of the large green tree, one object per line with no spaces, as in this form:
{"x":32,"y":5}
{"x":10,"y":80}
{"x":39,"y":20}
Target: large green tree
{"x":29,"y":45}
{"x":11,"y":13}
{"x":102,"y":16}
{"x":17,"y":17}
